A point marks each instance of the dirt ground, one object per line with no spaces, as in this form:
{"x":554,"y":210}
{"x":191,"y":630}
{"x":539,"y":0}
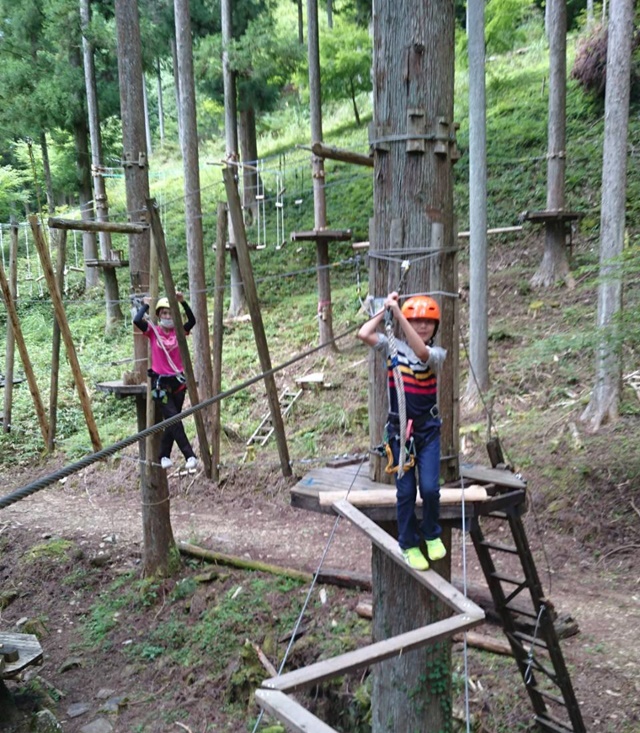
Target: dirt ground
{"x":250,"y":517}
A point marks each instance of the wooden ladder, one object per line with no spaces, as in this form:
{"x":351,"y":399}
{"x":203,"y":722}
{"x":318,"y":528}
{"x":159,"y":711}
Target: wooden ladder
{"x":538,"y":655}
{"x":265,"y":430}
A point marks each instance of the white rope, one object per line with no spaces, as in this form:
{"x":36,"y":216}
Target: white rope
{"x":402,"y":403}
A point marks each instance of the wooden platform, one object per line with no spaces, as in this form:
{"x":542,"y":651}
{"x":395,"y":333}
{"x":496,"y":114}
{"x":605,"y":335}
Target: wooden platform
{"x":551,"y":215}
{"x":317,"y":490}
{"x":29,"y":650}
{"x":120,"y":389}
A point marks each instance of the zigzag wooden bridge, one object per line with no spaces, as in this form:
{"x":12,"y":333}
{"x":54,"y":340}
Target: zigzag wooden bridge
{"x":516,"y":590}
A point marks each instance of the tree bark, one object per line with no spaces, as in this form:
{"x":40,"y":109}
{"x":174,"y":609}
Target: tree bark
{"x":478,"y":381}
{"x":325,"y":315}
{"x":89,"y":243}
{"x":413,"y":137}
{"x":111,"y":288}
{"x":193,"y":206}
{"x":238,"y":303}
{"x":555,"y":264}
{"x":605,"y":398}
{"x":46,"y":167}
{"x":249,"y":155}
{"x":156,"y":524}
{"x":160,"y":101}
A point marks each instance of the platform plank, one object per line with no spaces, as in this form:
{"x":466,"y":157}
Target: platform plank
{"x":28,"y":648}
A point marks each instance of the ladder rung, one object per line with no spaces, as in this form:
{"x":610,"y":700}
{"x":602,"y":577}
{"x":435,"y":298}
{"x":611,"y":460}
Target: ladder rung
{"x":548,"y":696}
{"x":507,"y":579}
{"x":551,"y":724}
{"x":525,"y":638}
{"x":521,"y":612}
{"x":499,"y":547}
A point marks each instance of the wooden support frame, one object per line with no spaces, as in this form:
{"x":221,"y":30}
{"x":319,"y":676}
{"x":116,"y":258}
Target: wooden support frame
{"x":270,"y":695}
{"x":65,"y":332}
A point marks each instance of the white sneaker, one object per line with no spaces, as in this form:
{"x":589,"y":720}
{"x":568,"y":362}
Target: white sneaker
{"x":166,"y":462}
{"x":191,"y":463}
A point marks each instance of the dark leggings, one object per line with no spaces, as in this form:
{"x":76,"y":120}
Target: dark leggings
{"x":175,"y":433}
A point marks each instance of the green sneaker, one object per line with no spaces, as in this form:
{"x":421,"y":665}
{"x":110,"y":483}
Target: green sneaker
{"x":414,"y":558}
{"x":436,"y":549}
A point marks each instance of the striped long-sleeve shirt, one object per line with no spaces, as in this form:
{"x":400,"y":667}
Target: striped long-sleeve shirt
{"x":418,"y":377}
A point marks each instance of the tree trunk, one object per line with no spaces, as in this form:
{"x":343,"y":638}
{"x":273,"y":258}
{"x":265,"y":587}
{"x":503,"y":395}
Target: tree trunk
{"x":238,"y":303}
{"x":111,"y":288}
{"x":413,"y":219}
{"x":300,"y":22}
{"x":411,"y":692}
{"x":176,"y":83}
{"x":89,"y":243}
{"x":325,"y":315}
{"x":147,"y":123}
{"x":193,"y":205}
{"x":160,"y":101}
{"x":555,"y":265}
{"x":46,"y":167}
{"x":249,"y":155}
{"x":158,"y":536}
{"x":478,"y":381}
{"x":605,"y":397}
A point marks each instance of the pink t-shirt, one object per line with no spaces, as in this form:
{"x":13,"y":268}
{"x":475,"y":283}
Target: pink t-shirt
{"x":159,"y":361}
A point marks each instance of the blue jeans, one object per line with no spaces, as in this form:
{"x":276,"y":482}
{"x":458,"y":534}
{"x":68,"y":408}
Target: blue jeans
{"x":427,"y":449}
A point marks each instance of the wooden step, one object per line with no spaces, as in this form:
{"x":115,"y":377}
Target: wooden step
{"x":499,"y":547}
{"x":549,"y":696}
{"x":549,"y":723}
{"x":507,"y":579}
{"x":530,"y":640}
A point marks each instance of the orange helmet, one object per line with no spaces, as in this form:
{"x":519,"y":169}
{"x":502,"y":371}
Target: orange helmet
{"x":421,"y":306}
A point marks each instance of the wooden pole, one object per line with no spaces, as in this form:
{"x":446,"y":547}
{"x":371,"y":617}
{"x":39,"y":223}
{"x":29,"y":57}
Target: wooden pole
{"x":65,"y":331}
{"x":218,"y":306}
{"x":24,"y":355}
{"x":169,"y":286}
{"x":246,"y":271}
{"x":325,"y":314}
{"x":55,"y":222}
{"x":152,"y":441}
{"x":10,"y":346}
{"x":346,"y":156}
{"x":55,"y":346}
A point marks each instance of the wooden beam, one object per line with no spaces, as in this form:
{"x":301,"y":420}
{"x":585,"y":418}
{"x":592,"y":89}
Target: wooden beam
{"x":387,"y":497}
{"x":345,"y":156}
{"x":9,"y":362}
{"x":246,"y":272}
{"x":296,"y":718}
{"x":430,"y":579}
{"x":55,"y":346}
{"x":24,"y":355}
{"x":78,"y":225}
{"x":217,"y":338}
{"x":65,"y":331}
{"x":176,"y":313}
{"x":372,"y":654}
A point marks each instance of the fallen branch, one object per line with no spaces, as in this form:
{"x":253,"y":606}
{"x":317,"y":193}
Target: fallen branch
{"x":341,"y":578}
{"x":221,"y":558}
{"x":273,"y":672}
{"x":485,"y":643}
{"x":623,"y":548}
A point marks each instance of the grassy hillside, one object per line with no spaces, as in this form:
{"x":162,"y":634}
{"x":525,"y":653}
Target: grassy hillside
{"x":516,"y":99}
